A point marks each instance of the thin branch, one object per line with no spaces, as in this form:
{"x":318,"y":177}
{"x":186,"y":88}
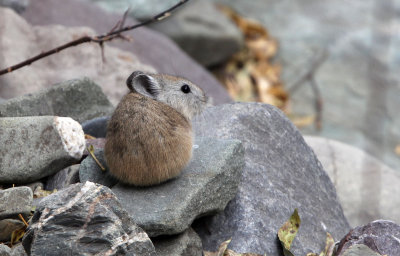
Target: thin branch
{"x":309,"y":77}
{"x":114,"y":33}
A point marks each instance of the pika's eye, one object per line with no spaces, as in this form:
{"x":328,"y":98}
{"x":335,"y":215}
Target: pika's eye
{"x":185,"y":88}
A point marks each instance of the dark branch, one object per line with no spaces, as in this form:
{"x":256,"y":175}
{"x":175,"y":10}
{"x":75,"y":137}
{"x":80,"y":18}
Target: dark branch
{"x":309,"y":77}
{"x":114,"y":33}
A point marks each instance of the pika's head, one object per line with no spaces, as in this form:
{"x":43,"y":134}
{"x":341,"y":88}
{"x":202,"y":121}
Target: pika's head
{"x":177,"y":92}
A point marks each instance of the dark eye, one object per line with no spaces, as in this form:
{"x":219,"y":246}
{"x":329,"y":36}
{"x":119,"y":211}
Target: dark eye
{"x":185,"y":88}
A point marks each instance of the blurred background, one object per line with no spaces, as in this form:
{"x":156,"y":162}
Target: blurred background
{"x":332,"y":66}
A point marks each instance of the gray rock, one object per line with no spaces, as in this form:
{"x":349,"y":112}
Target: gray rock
{"x":18,"y":250}
{"x":186,"y":244}
{"x":7,"y":226}
{"x":360,"y":250}
{"x":89,"y":170}
{"x":5,"y":250}
{"x":203,"y":32}
{"x":359,"y":79}
{"x":35,"y":185}
{"x":205,"y":186}
{"x":34,"y":147}
{"x":17,"y":5}
{"x":80,"y":99}
{"x":96,"y":127}
{"x":84,"y":219}
{"x":281,"y":174}
{"x":381,"y":236}
{"x":63,"y":178}
{"x":365,"y":185}
{"x":149,"y":46}
{"x":14,"y":201}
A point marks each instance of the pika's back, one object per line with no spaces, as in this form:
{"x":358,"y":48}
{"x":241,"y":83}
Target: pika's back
{"x":148,"y":141}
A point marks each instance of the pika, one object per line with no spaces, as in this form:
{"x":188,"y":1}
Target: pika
{"x":149,"y":136}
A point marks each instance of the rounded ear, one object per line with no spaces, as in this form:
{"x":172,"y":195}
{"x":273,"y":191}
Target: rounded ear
{"x":143,"y":83}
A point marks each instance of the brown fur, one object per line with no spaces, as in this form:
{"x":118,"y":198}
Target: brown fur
{"x":148,"y":142}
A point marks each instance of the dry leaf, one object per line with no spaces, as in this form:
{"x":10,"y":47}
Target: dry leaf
{"x":250,"y":74}
{"x":288,"y":231}
{"x":16,"y":235}
{"x":397,"y":150}
{"x":39,"y":192}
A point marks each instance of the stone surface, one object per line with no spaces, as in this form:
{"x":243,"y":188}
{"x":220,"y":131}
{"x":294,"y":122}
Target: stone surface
{"x":17,"y":5}
{"x":186,"y":244}
{"x":149,"y":46}
{"x":89,"y":170}
{"x":65,"y":65}
{"x":14,"y":201}
{"x":96,"y":127}
{"x":5,"y":250}
{"x":36,"y":147}
{"x":381,"y":236}
{"x":84,"y":219}
{"x":204,"y":187}
{"x":80,"y":99}
{"x":365,"y":186}
{"x":203,"y":32}
{"x":358,"y":80}
{"x":18,"y":250}
{"x":281,"y":174}
{"x":360,"y":250}
{"x":7,"y":226}
{"x":63,"y":178}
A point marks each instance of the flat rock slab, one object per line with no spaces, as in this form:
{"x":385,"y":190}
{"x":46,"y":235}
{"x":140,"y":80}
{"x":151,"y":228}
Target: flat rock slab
{"x":14,"y":201}
{"x":186,"y":244}
{"x":80,"y":99}
{"x":35,"y":147}
{"x":206,"y":185}
{"x":84,"y":219}
{"x":281,"y":173}
{"x":381,"y":236}
{"x":365,"y":186}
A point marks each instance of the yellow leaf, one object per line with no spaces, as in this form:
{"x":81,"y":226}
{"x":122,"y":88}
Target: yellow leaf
{"x":288,"y":231}
{"x":329,"y":246}
{"x":16,"y":235}
{"x":91,"y":152}
{"x":397,"y":150}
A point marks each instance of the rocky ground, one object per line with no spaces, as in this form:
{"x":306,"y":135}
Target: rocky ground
{"x":251,"y":167}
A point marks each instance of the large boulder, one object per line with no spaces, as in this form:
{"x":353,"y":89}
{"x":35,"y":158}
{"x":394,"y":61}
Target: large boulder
{"x":149,"y":46}
{"x":365,"y":185}
{"x":281,"y":173}
{"x":84,"y":219}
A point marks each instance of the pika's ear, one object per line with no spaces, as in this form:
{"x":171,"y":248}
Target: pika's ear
{"x":143,"y":84}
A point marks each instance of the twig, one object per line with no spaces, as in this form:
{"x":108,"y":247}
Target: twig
{"x":97,"y":39}
{"x":309,"y":76}
{"x":23,"y":220}
{"x":90,"y":149}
